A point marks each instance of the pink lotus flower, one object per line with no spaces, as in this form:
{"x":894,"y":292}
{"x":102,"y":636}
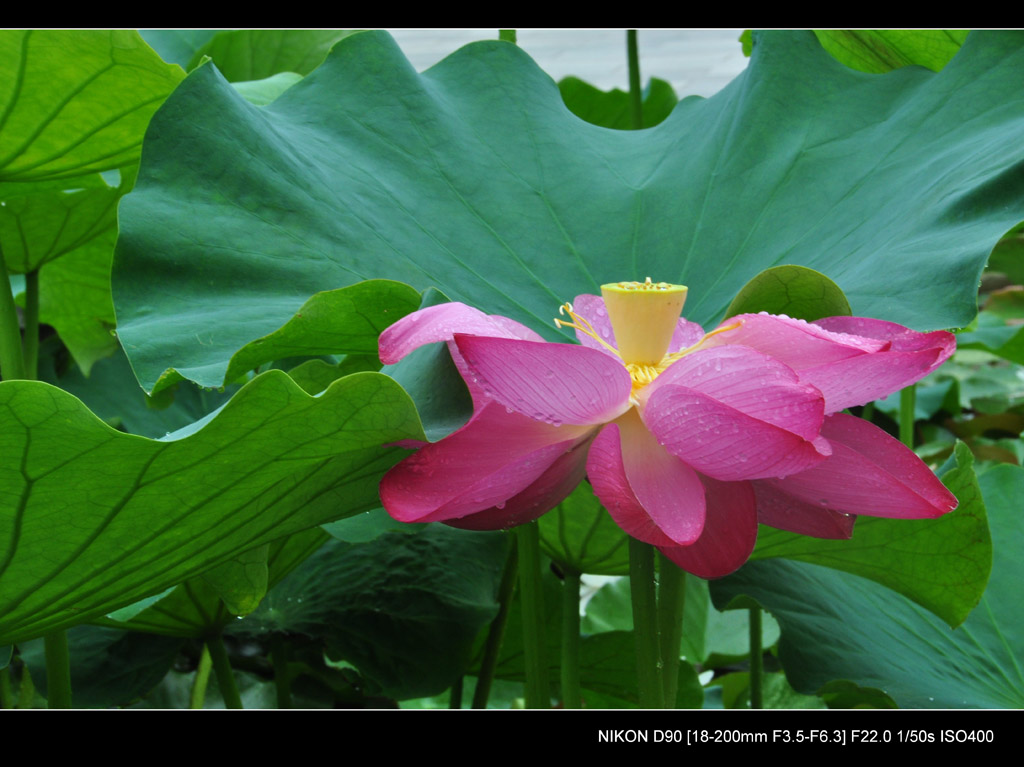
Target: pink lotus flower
{"x":689,"y":439}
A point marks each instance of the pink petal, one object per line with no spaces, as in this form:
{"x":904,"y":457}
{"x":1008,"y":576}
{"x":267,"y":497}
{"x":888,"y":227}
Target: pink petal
{"x":751,"y":383}
{"x":441,"y":323}
{"x":869,"y":473}
{"x":857,"y":380}
{"x":667,"y":488}
{"x":550,"y":489}
{"x":901,"y":338}
{"x":608,"y":477}
{"x":797,"y":343}
{"x":650,"y":494}
{"x":685,"y":335}
{"x":778,"y":509}
{"x":730,"y":531}
{"x":592,"y":309}
{"x":860,"y":380}
{"x":724,"y":443}
{"x":493,"y":458}
{"x":554,"y":383}
{"x":734,"y":414}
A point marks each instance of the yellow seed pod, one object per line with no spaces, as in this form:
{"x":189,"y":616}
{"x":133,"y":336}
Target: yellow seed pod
{"x":644,"y":316}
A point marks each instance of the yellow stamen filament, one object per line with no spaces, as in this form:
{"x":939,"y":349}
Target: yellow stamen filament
{"x":583,"y":325}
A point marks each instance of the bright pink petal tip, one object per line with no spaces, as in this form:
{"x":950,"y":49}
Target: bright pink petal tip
{"x":851,"y":360}
{"x":493,"y":458}
{"x":908,"y":358}
{"x":441,"y":323}
{"x":868,"y":473}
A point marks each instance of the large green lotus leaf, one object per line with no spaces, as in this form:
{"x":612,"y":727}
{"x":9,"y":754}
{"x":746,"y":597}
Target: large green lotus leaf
{"x":92,"y":519}
{"x":880,"y":50}
{"x":942,"y":564}
{"x":76,"y":101}
{"x":254,"y":54}
{"x":108,"y":667}
{"x":263,"y":92}
{"x":580,"y":534}
{"x":345,"y":321}
{"x":473,"y":177}
{"x":42,"y":221}
{"x":316,"y":375}
{"x":194,"y":608}
{"x":241,"y":581}
{"x":113,"y":394}
{"x":363,"y":528}
{"x":839,"y":626}
{"x":403,"y":608}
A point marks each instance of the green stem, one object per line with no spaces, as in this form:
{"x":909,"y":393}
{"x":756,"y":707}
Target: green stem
{"x":30,"y":349}
{"x":907,"y":397}
{"x":282,"y":682}
{"x":571,"y":697}
{"x":756,"y":659}
{"x":869,"y":411}
{"x":455,"y":697}
{"x":12,"y":363}
{"x":531,"y":599}
{"x":27,"y":693}
{"x":508,"y":35}
{"x":222,"y":668}
{"x":58,"y":670}
{"x":671,"y":601}
{"x":496,"y":633}
{"x":199,"y":684}
{"x":645,"y":623}
{"x":6,"y":694}
{"x":636,"y":104}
